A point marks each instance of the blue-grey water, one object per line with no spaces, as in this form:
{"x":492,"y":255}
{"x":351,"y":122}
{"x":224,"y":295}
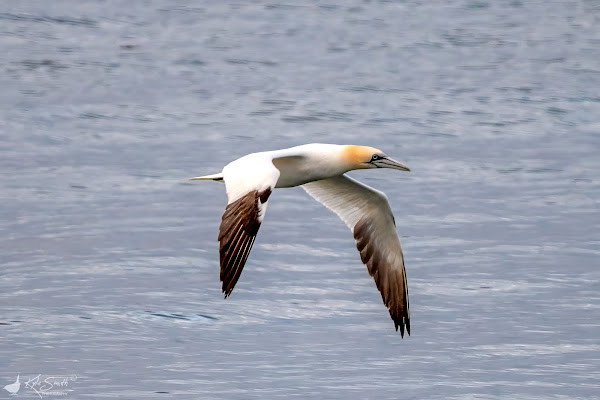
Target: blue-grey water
{"x":109,"y":261}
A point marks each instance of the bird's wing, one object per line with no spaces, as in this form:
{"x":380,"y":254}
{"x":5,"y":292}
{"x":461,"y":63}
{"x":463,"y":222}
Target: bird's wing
{"x":367,"y":213}
{"x":249,"y":183}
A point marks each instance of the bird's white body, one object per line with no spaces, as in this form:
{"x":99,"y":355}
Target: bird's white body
{"x":319,"y":169}
{"x":288,"y":167}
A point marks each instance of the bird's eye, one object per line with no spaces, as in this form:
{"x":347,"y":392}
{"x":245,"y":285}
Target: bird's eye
{"x":375,"y":157}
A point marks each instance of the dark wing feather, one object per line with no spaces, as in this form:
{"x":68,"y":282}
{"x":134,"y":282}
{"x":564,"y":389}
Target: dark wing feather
{"x":239,"y":226}
{"x":386,"y":269}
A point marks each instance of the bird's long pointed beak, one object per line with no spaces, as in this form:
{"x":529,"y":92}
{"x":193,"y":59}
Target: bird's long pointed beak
{"x":391,"y":163}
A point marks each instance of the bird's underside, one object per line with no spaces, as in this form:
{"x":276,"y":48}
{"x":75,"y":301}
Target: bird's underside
{"x":363,"y":209}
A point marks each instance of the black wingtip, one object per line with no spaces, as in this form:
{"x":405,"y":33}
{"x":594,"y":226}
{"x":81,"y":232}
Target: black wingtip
{"x":402,"y":325}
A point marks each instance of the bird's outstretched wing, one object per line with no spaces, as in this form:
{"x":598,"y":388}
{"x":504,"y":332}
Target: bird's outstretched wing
{"x":249,"y":183}
{"x":367,"y":213}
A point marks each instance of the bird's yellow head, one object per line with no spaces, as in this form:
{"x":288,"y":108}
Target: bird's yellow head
{"x":365,"y":157}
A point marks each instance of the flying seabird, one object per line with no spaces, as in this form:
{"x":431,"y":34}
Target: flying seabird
{"x":320,"y":170}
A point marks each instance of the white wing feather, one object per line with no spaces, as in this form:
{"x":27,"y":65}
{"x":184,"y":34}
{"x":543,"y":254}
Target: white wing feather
{"x":252,"y":172}
{"x":249,"y":182}
{"x":349,"y":198}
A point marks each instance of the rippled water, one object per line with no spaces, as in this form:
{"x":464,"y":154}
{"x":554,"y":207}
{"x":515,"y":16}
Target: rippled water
{"x":109,"y":257}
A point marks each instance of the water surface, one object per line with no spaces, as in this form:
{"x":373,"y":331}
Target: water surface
{"x":109,"y":256}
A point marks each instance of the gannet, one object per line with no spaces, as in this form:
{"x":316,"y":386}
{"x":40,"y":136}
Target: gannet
{"x":320,"y":170}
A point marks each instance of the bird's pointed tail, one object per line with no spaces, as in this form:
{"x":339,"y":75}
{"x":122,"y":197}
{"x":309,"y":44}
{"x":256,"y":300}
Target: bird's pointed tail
{"x":214,"y":177}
